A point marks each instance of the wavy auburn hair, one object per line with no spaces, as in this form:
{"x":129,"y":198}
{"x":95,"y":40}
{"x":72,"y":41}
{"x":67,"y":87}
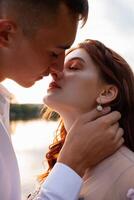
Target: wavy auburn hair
{"x":114,"y":70}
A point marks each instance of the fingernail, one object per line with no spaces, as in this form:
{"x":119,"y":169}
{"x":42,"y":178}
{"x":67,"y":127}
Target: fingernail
{"x":106,"y":109}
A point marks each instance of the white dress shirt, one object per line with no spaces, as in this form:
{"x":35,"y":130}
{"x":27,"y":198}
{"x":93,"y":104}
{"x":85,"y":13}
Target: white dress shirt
{"x":62,"y":183}
{"x":9,"y":173}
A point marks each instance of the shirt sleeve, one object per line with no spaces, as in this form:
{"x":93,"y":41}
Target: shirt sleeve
{"x":62,"y":184}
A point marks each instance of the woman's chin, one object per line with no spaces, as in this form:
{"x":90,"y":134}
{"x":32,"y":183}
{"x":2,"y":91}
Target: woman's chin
{"x":50,"y":103}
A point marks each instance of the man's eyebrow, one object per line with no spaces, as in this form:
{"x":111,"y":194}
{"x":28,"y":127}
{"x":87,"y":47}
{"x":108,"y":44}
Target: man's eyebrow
{"x":64,"y":47}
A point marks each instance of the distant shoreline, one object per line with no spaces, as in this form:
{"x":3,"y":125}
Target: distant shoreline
{"x":25,"y":111}
{"x":29,"y":111}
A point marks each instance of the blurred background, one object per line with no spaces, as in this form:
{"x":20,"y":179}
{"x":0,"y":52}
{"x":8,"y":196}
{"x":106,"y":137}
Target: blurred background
{"x":110,"y":21}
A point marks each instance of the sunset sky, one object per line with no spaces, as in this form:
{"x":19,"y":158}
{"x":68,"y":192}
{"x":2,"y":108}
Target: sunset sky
{"x":111,"y":22}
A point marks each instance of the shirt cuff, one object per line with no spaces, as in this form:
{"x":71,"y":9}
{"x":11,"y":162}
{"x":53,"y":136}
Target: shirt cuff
{"x":63,"y":182}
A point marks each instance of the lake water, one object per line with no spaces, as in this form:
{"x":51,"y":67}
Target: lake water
{"x":31,"y":140}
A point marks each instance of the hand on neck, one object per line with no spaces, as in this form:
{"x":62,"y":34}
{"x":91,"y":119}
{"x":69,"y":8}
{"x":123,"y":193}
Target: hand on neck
{"x":70,"y":117}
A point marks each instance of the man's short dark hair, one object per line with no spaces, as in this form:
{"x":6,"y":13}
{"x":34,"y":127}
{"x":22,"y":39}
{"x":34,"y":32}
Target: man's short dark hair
{"x":31,"y":13}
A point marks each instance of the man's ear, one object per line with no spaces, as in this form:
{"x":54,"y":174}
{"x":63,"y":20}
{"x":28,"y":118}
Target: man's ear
{"x":7,"y":28}
{"x":107,"y":95}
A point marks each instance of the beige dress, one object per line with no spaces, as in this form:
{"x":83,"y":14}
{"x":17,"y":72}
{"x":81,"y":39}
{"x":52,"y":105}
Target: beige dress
{"x":111,"y":179}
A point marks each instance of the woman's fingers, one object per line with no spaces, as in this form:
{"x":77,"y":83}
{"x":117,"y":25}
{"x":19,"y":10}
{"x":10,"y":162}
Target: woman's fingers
{"x":119,"y":136}
{"x":110,"y":119}
{"x":94,"y":114}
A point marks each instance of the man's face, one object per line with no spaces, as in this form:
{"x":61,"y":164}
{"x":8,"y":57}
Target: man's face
{"x":29,"y":59}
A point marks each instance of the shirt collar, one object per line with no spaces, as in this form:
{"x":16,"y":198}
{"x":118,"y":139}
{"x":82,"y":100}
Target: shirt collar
{"x":5,"y":94}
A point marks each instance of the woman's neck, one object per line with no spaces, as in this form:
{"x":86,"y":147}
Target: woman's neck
{"x":69,"y":118}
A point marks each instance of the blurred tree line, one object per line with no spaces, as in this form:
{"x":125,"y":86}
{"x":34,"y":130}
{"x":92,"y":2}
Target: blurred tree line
{"x":30,"y":111}
{"x":25,"y":111}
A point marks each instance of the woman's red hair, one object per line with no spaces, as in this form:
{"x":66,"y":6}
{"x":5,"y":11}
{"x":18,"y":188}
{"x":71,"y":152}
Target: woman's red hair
{"x":114,"y":70}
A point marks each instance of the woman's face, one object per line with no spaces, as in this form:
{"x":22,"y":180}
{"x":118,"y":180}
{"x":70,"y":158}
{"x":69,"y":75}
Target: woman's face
{"x":80,"y":86}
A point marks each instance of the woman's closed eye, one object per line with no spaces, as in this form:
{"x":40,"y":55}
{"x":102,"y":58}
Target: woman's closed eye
{"x":73,"y":66}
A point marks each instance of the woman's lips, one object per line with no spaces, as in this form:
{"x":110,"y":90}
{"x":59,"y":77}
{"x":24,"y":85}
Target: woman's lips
{"x":53,"y":85}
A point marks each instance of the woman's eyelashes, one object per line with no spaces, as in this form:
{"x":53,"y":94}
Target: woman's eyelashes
{"x":73,"y":66}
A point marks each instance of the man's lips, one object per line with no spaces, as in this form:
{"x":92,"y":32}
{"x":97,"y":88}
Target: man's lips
{"x":39,"y":78}
{"x":42,"y":75}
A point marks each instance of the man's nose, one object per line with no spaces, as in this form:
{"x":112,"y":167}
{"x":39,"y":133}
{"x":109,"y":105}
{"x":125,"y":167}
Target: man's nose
{"x":59,"y":62}
{"x":56,"y":69}
{"x":56,"y":74}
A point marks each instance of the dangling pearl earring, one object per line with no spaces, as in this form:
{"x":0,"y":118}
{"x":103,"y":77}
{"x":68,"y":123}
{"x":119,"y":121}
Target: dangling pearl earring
{"x":99,"y":107}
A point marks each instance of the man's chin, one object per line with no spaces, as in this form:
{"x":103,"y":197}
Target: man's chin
{"x":26,"y":84}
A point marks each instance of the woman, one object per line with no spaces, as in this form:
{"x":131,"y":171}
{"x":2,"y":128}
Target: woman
{"x":96,"y":76}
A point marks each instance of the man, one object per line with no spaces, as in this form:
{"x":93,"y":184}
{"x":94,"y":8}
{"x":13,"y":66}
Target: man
{"x":34,"y":35}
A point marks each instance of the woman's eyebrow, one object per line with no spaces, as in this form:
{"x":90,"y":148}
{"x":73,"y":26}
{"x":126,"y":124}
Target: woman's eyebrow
{"x":77,"y":58}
